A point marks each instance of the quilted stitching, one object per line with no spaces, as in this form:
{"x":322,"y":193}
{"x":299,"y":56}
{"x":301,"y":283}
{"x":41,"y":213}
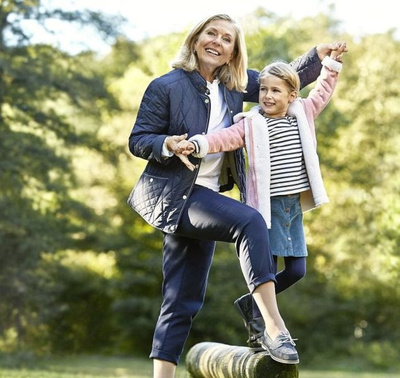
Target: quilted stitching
{"x":146,"y":196}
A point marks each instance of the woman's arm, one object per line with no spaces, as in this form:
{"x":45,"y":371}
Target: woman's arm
{"x":308,"y":66}
{"x":151,"y":127}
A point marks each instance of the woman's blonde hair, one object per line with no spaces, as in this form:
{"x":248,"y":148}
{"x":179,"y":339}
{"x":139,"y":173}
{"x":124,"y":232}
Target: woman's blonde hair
{"x":285,"y":72}
{"x":233,"y":74}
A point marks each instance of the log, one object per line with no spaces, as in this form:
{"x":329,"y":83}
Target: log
{"x":216,"y":360}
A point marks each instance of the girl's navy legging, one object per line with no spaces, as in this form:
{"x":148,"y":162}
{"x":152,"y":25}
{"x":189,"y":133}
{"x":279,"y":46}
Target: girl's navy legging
{"x":187,"y":254}
{"x":295,"y":270}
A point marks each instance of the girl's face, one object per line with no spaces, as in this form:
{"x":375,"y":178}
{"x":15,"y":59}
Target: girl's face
{"x":275,"y":96}
{"x":214,"y":47}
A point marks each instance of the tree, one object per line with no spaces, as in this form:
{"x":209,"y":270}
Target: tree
{"x":43,"y":90}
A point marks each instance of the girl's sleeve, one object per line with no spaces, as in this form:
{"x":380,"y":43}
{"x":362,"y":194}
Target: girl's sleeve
{"x":228,"y":139}
{"x":319,"y":97}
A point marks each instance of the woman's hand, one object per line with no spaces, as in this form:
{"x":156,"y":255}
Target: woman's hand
{"x":173,"y":145}
{"x":338,"y":53}
{"x":325,"y":49}
{"x":185,"y":147}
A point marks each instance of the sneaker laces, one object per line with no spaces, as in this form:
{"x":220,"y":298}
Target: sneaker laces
{"x":285,"y":337}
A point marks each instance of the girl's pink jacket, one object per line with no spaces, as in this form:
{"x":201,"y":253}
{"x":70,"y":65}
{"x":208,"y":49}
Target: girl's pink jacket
{"x":250,"y":131}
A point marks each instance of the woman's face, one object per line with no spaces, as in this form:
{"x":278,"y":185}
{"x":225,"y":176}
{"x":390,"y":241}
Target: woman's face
{"x":215,"y":47}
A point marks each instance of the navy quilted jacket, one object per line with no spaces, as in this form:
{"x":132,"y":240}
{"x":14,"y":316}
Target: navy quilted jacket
{"x":174,"y":104}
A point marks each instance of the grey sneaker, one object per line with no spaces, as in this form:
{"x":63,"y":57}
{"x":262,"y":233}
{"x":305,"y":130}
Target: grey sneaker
{"x":282,"y":349}
{"x":255,"y":326}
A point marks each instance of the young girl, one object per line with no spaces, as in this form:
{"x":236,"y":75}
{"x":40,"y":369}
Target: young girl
{"x":283,"y":178}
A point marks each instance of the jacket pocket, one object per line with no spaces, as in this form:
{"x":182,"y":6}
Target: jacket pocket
{"x":146,"y":198}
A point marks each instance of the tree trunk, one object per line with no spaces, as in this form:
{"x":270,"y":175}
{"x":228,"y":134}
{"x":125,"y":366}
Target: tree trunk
{"x":215,"y":360}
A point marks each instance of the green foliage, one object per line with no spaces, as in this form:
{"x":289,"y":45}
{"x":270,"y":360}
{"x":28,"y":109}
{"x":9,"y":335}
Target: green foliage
{"x":138,"y":301}
{"x":45,"y":94}
{"x":72,"y":302}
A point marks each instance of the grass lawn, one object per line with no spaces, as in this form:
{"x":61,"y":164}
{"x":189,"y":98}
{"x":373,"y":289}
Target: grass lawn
{"x":112,"y":367}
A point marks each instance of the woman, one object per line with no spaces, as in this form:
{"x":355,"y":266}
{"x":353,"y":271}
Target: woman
{"x":201,"y":94}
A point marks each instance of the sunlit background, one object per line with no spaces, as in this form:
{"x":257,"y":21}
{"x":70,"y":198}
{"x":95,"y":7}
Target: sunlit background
{"x":80,"y":272}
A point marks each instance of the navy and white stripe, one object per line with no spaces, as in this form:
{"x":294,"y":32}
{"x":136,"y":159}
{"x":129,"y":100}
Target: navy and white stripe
{"x":288,"y":171}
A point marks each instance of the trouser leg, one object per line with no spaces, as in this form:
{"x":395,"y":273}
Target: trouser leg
{"x":186,"y":265}
{"x":208,"y":217}
{"x":213,"y":216}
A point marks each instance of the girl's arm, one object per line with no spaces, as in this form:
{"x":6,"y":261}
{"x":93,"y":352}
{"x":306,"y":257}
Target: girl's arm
{"x":319,"y":97}
{"x":228,"y":139}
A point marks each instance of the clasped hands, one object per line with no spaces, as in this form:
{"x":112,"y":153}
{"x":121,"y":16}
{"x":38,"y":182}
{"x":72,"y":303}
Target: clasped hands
{"x":335,"y":50}
{"x":181,"y":148}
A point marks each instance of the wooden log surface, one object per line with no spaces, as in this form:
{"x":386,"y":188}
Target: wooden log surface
{"x":216,"y":360}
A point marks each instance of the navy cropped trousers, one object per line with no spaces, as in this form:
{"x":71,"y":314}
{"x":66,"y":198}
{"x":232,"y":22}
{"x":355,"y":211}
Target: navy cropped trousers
{"x":187,"y":255}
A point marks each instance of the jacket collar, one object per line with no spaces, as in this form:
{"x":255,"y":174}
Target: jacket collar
{"x":198,"y":82}
{"x":233,"y":99}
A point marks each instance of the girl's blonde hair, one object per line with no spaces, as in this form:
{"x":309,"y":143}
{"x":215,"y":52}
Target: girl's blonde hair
{"x":233,"y":74}
{"x":285,"y":72}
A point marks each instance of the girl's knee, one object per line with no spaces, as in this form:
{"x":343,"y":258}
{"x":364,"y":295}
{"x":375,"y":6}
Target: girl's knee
{"x":296,"y":268}
{"x":298,"y":275}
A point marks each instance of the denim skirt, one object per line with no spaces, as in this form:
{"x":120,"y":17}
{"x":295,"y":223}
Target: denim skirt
{"x":287,"y":233}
